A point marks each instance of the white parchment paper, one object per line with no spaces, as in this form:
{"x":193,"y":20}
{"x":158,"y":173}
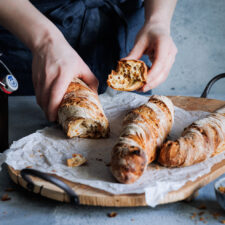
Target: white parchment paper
{"x":47,"y":150}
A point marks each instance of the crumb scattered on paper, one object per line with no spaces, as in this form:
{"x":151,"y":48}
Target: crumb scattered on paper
{"x":193,"y":215}
{"x":76,"y":160}
{"x":216,"y":215}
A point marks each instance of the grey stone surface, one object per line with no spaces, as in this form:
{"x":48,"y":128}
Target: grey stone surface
{"x":198,"y":29}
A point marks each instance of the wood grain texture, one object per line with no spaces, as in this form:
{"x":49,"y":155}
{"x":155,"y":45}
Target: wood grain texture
{"x":95,"y":197}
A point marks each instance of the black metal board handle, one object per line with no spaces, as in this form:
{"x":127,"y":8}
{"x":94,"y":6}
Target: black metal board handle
{"x":210,"y":84}
{"x":25,"y":173}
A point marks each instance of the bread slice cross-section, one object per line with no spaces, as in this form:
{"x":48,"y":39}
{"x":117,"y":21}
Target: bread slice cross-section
{"x":130,"y":75}
{"x":80,"y":112}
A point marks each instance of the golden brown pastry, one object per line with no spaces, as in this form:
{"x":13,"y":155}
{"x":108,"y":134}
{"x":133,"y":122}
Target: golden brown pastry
{"x":130,"y":75}
{"x":201,"y":140}
{"x":81,"y":114}
{"x":144,"y":130}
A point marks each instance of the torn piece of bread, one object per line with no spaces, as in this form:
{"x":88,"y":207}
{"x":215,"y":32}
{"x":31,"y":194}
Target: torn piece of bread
{"x":201,"y":140}
{"x":144,"y":131}
{"x":80,"y":112}
{"x":130,"y":75}
{"x":76,"y":160}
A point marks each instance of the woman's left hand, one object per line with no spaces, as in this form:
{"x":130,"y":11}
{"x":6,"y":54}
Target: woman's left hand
{"x":155,"y":41}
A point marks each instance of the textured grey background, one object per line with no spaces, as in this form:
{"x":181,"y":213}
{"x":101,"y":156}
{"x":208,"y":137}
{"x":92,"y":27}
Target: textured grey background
{"x":198,"y":30}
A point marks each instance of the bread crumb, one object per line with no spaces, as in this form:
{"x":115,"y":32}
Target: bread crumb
{"x":76,"y":160}
{"x":5,"y":197}
{"x":9,"y":189}
{"x":221,"y":189}
{"x":202,"y":207}
{"x":216,"y":215}
{"x":193,"y":215}
{"x":29,"y":167}
{"x":112,"y":214}
{"x":100,"y":160}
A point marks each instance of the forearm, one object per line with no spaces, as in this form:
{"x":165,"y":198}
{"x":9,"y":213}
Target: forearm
{"x":159,"y":11}
{"x":22,"y":19}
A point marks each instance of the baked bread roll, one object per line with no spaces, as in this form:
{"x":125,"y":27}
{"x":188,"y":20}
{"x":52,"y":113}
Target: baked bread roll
{"x":144,"y":131}
{"x":80,"y":112}
{"x":199,"y":141}
{"x":130,"y":75}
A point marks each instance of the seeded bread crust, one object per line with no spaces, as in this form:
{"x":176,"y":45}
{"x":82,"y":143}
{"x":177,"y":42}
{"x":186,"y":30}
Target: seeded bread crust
{"x":144,"y":131}
{"x":201,"y":140}
{"x":80,"y":112}
{"x":130,"y":75}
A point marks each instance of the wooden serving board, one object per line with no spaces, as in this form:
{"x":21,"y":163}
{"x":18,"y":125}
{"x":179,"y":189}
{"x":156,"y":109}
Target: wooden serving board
{"x":91,"y":196}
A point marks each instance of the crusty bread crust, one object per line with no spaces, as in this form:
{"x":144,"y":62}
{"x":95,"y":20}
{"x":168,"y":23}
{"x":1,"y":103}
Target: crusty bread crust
{"x":130,"y":75}
{"x":201,"y":140}
{"x":81,"y":114}
{"x":144,"y":131}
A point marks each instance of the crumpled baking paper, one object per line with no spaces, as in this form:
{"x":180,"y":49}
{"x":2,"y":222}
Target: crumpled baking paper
{"x":47,"y":150}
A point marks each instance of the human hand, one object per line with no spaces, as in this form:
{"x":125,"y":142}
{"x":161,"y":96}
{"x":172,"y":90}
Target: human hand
{"x":155,"y":41}
{"x":55,"y":64}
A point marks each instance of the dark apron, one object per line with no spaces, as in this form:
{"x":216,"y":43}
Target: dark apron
{"x":101,"y":31}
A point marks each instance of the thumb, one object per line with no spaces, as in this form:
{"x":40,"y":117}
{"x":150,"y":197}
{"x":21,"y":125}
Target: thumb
{"x":91,"y":81}
{"x":137,"y":51}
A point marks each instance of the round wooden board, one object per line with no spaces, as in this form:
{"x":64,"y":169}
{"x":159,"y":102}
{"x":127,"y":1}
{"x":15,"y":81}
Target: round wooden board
{"x":91,"y":196}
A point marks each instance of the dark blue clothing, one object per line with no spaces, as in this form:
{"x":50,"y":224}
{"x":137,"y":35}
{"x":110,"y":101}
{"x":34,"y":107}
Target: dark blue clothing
{"x":101,"y":31}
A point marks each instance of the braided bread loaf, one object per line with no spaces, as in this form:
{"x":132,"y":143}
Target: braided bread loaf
{"x":81,"y":114}
{"x":130,"y":75}
{"x":200,"y":141}
{"x":144,"y":130}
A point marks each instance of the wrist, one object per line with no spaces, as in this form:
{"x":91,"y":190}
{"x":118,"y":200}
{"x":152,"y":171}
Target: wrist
{"x":153,"y":23}
{"x":45,"y":35}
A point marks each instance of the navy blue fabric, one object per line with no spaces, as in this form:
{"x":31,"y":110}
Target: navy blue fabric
{"x":101,"y":31}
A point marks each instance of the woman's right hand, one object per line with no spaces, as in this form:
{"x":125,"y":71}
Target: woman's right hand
{"x":55,"y":64}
